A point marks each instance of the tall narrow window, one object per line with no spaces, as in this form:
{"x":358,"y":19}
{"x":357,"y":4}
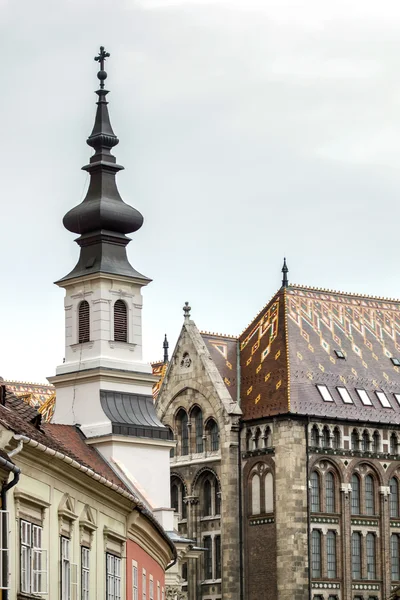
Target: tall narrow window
{"x":330,"y":492}
{"x":394,"y":498}
{"x":120,"y":321}
{"x":255,"y":495}
{"x":113,"y":577}
{"x":355,"y":440}
{"x":376,"y":442}
{"x":316,"y":553}
{"x":213,"y":435}
{"x":198,"y":421}
{"x":207,"y":511}
{"x":369,"y":495}
{"x":151,"y":588}
{"x":394,"y":445}
{"x":65,"y":568}
{"x":83,"y":322}
{"x":269,"y":493}
{"x":32,"y":559}
{"x":175,"y":497}
{"x":85,"y":566}
{"x":365,"y":441}
{"x":355,"y":495}
{"x":208,"y":560}
{"x":395,"y":557}
{"x":331,"y":554}
{"x":183,"y":431}
{"x":326,"y":438}
{"x":268,"y":438}
{"x":371,"y":560}
{"x":217,"y":499}
{"x":217,"y":543}
{"x":356,"y":555}
{"x":257,"y":438}
{"x":314,"y":436}
{"x":336,"y":438}
{"x":315,"y":495}
{"x":135,"y":581}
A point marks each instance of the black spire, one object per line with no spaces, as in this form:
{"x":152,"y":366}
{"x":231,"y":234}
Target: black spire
{"x":285,"y":271}
{"x":103,"y":218}
{"x":165,"y":346}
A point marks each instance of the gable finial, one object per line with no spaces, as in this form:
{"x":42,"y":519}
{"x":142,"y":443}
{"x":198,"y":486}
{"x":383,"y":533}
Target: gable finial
{"x":165,"y":346}
{"x":285,"y":271}
{"x":100,"y":58}
{"x":186,"y":311}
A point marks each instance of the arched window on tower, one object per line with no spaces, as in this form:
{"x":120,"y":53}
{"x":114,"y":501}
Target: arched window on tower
{"x":197,"y":416}
{"x":249,"y":436}
{"x":212,"y":435}
{"x":210,"y":499}
{"x":217,"y":500}
{"x":355,"y":440}
{"x":330,"y":492}
{"x":369,"y":495}
{"x":83,"y":322}
{"x":365,"y":441}
{"x":268,"y":437}
{"x":314,"y":436}
{"x":257,"y":438}
{"x":394,"y":498}
{"x":269,"y":493}
{"x":336,"y":438}
{"x":177,"y":497}
{"x":183,"y":431}
{"x":376,"y":442}
{"x":325,"y":437}
{"x":120,"y":321}
{"x":207,"y":499}
{"x":394,"y":445}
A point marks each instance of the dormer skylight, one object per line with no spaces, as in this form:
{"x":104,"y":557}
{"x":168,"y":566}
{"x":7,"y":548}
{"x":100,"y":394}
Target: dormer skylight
{"x":395,"y":361}
{"x":344,"y":394}
{"x":340,"y":354}
{"x":365,"y":399}
{"x":325,"y":393}
{"x":383,"y":399}
{"x":397,"y":396}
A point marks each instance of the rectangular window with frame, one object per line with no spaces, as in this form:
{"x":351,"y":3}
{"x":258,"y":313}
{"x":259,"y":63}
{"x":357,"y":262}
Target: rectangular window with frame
{"x":68,"y":581}
{"x":113,"y":577}
{"x":217,"y":545}
{"x":331,"y":554}
{"x":151,"y":588}
{"x":33,"y":559}
{"x":85,"y":570}
{"x":144,"y":584}
{"x":135,"y":581}
{"x":395,"y":556}
{"x":158,"y":591}
{"x":162,"y":594}
{"x":356,"y":554}
{"x":371,"y":558}
{"x":208,"y":558}
{"x":316,"y":553}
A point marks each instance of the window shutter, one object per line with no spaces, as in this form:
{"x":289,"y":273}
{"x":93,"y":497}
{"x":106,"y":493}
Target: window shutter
{"x":120,"y":322}
{"x":84,"y":322}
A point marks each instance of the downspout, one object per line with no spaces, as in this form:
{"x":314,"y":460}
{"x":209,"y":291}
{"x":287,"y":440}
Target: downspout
{"x":308,"y":511}
{"x":4,"y":529}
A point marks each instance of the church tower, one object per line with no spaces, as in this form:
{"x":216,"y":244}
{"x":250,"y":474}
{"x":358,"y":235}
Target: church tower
{"x":103,"y":385}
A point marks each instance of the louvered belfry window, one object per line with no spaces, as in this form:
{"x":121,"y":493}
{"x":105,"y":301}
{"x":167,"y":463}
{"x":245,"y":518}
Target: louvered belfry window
{"x":84,"y":322}
{"x":120,"y":322}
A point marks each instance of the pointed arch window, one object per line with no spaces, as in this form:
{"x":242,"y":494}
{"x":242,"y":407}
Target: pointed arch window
{"x":369,"y":495}
{"x":394,"y":498}
{"x":212,"y":433}
{"x":257,"y":438}
{"x":177,"y":497}
{"x":355,"y":495}
{"x":376,"y":442}
{"x":207,"y":504}
{"x":355,"y":440}
{"x":315,"y":492}
{"x":198,"y":424}
{"x":325,"y":438}
{"x":336,"y":438}
{"x":314,"y":436}
{"x":394,"y":445}
{"x":268,"y":437}
{"x":365,"y":441}
{"x":269,"y":493}
{"x":330,"y":492}
{"x":248,"y":440}
{"x":83,"y":322}
{"x":217,"y":500}
{"x":255,"y":495}
{"x":120,"y":321}
{"x":183,"y":431}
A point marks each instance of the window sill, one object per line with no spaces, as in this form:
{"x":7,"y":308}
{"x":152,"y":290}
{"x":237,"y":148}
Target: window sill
{"x":25,"y":596}
{"x":210,"y":581}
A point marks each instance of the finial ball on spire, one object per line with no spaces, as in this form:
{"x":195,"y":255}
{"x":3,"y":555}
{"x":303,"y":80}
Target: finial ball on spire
{"x":101,"y":57}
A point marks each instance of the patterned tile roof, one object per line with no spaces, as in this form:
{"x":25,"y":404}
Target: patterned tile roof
{"x":37,"y":395}
{"x":290,"y":347}
{"x":223,"y":350}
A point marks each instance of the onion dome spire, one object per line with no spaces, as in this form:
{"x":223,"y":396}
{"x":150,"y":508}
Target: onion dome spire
{"x":165,"y":346}
{"x":285,"y":271}
{"x":103,"y":219}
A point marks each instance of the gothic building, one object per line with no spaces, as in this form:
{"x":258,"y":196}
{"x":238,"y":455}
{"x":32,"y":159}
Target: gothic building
{"x":286,"y":467}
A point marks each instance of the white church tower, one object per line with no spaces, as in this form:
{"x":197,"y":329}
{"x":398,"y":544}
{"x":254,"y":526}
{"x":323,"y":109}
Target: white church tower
{"x":104,"y":386}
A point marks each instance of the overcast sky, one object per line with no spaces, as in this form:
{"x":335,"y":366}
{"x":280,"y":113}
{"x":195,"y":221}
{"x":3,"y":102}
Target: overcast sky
{"x":249,"y":130}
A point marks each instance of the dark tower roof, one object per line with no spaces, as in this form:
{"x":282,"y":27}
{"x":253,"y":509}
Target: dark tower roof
{"x":103,"y":219}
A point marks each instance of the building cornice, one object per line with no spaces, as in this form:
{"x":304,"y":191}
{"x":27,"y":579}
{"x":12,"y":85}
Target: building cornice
{"x":106,"y":374}
{"x":141,"y":531}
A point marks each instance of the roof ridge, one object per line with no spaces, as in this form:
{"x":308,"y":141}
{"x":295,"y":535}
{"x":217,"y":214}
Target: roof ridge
{"x":11,"y":381}
{"x":260,"y":311}
{"x":225,"y":335}
{"x":352,"y":294}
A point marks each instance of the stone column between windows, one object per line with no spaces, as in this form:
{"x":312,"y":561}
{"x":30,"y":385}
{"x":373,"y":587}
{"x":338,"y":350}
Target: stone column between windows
{"x":383,"y":545}
{"x":345,"y":501}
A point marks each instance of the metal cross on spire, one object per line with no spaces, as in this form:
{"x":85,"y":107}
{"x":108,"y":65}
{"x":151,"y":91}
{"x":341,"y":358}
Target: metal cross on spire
{"x":100,"y":58}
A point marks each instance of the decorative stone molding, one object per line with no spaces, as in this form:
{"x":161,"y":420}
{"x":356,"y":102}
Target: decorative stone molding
{"x":37,"y":504}
{"x":175,"y":593}
{"x":384,"y":490}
